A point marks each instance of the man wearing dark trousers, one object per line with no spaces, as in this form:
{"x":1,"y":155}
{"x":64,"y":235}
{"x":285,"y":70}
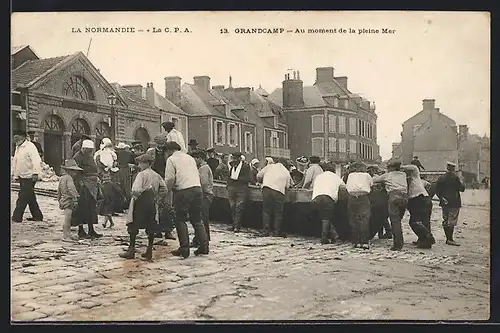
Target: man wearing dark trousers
{"x":275,"y":179}
{"x":207,"y":185}
{"x":182,"y":177}
{"x":448,"y":188}
{"x":237,"y":188}
{"x":158,"y":166}
{"x":27,"y":167}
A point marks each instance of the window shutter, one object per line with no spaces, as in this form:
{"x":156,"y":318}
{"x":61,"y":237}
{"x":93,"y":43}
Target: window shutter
{"x":332,"y":145}
{"x":318,"y":147}
{"x":317,"y":123}
{"x":331,"y":123}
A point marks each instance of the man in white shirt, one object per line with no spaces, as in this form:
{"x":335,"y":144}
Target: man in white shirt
{"x":27,"y":168}
{"x":324,"y":197}
{"x":312,"y":171}
{"x":417,"y":206}
{"x":182,"y":177}
{"x":174,"y":135}
{"x":358,"y":185}
{"x":275,"y":180}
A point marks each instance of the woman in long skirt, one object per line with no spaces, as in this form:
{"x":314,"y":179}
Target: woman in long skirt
{"x":88,"y":188}
{"x":106,"y":160}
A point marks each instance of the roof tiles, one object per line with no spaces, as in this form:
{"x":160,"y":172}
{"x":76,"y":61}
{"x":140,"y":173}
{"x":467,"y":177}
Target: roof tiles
{"x":32,"y":69}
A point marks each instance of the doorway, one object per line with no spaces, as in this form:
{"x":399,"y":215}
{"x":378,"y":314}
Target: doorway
{"x":79,"y":127}
{"x":53,"y":142}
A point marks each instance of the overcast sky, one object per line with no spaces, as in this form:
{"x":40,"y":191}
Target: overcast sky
{"x":444,"y":56}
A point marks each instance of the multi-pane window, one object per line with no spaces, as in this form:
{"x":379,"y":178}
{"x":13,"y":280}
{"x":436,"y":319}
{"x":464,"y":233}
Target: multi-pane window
{"x":219,"y":132}
{"x":317,"y":123}
{"x":352,"y":146}
{"x":248,"y":142}
{"x":352,"y":126}
{"x":232,"y":132}
{"x":332,"y":145}
{"x":336,"y":102}
{"x":332,"y":123}
{"x":342,"y":125}
{"x":317,"y":147}
{"x":342,"y":145}
{"x":275,"y":143}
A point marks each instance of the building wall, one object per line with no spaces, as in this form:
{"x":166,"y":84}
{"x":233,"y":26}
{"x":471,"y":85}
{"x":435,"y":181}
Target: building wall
{"x":484,"y":162}
{"x":200,"y":129}
{"x":435,"y":144}
{"x":299,"y":131}
{"x":182,"y":125}
{"x":435,"y":160}
{"x":55,"y":84}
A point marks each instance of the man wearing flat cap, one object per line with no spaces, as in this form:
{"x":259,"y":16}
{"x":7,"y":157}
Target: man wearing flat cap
{"x":182,"y":177}
{"x":192,"y":145}
{"x":396,"y":186}
{"x":212,"y":160}
{"x":448,"y":188}
{"x":237,"y":188}
{"x":27,"y":168}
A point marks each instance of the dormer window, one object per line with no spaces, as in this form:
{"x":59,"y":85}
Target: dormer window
{"x":346,"y":104}
{"x":336,"y":102}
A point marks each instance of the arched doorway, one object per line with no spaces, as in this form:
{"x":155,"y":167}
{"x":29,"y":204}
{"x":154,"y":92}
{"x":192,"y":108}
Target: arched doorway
{"x":53,"y":142}
{"x":141,"y":134}
{"x":103,"y":130}
{"x":78,"y":127}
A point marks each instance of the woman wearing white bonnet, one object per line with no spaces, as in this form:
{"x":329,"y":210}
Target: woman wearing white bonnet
{"x":106,"y":160}
{"x":254,"y":170}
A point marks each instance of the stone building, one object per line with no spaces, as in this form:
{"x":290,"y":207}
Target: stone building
{"x":228,"y":119}
{"x":168,"y":110}
{"x":64,"y":97}
{"x":436,"y":139}
{"x":327,"y":119}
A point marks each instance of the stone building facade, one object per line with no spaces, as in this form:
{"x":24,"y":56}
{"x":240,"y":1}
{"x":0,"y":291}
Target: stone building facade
{"x":66,"y":96}
{"x":327,"y":119}
{"x":435,"y":139}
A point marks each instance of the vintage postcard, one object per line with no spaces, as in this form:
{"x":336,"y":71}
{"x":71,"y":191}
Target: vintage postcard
{"x":245,"y":166}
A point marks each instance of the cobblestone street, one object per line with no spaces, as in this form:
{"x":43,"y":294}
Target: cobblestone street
{"x":250,"y":278}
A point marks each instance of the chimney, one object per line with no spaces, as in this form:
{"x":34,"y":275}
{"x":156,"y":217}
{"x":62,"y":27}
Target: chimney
{"x":324,"y":74}
{"x":293,"y":92}
{"x":219,"y":89}
{"x":463,"y":132}
{"x":342,"y":81}
{"x":150,"y":94}
{"x":173,"y":89}
{"x":203,"y":82}
{"x":136,"y":89}
{"x":429,"y":104}
{"x":243,"y":93}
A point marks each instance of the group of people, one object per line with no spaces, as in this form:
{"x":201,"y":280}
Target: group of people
{"x":398,"y":189}
{"x":162,"y":187}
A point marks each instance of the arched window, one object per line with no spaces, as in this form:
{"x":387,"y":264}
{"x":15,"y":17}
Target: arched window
{"x":77,"y":86}
{"x":53,"y":123}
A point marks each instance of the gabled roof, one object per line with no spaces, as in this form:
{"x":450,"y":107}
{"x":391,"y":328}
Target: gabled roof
{"x":35,"y":72}
{"x":164,"y":104}
{"x":441,"y":116}
{"x":16,"y":49}
{"x":32,"y":70}
{"x":312,"y":97}
{"x":131,"y":98}
{"x":198,"y":102}
{"x":262,"y":92}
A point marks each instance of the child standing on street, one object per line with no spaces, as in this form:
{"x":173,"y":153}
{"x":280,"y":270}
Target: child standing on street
{"x":67,"y":195}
